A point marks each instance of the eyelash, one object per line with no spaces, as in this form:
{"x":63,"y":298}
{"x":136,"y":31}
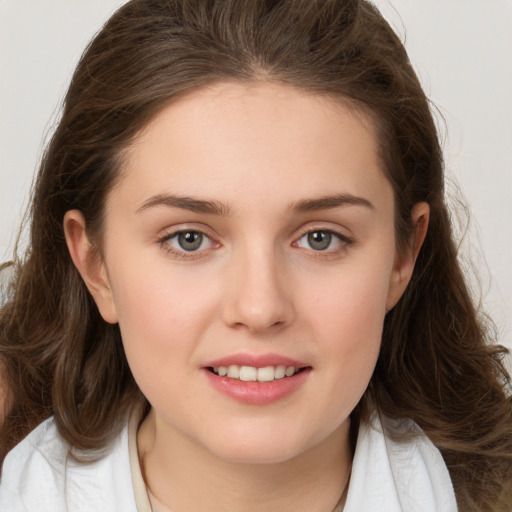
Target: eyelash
{"x":344,"y":241}
{"x":164,"y":242}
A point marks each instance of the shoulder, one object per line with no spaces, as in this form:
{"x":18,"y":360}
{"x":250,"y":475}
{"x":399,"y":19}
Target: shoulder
{"x":395,"y":463}
{"x":39,"y":475}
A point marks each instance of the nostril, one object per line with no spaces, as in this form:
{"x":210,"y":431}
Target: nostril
{"x":257,"y":310}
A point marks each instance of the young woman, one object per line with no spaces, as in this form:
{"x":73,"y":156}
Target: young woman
{"x":241,"y":290}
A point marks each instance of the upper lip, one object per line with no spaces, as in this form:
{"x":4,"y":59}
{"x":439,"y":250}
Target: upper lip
{"x":256,"y":361}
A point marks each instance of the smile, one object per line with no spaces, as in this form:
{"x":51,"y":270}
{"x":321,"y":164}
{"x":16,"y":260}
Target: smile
{"x":253,"y":374}
{"x":259,"y":383}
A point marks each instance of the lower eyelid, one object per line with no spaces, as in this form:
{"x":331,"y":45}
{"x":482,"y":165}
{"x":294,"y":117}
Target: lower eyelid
{"x":165,"y":243}
{"x":344,"y":242}
{"x":203,"y":236}
{"x":342,"y":238}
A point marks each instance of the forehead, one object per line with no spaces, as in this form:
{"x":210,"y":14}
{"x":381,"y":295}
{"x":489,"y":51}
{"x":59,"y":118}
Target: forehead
{"x":233,"y":138}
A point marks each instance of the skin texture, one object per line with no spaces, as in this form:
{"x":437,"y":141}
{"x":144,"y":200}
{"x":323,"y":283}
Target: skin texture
{"x":255,"y":286}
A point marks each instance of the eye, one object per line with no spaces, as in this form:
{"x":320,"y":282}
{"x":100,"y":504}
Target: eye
{"x":186,"y":241}
{"x":322,"y":240}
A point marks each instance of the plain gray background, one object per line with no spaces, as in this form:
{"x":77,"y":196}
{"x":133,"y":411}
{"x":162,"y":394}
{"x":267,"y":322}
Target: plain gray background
{"x":461,"y":49}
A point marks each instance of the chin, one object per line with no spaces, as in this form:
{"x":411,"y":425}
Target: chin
{"x":257,"y":448}
{"x":258,"y":454}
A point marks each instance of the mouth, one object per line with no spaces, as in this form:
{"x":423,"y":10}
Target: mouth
{"x":257,"y":380}
{"x":256,"y":374}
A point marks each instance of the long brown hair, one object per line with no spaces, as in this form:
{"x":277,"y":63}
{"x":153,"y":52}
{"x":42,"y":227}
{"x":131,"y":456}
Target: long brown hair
{"x":60,"y":358}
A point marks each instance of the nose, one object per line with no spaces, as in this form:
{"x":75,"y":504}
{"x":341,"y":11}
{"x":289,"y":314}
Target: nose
{"x":258,"y":295}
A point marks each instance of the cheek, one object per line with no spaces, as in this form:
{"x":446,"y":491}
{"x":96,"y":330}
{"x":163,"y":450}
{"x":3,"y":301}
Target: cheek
{"x":351,"y":301}
{"x":161,"y":312}
{"x":348,"y":318}
{"x":151,"y":294}
{"x":159,"y":328}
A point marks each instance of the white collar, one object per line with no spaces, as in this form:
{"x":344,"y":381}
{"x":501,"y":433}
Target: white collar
{"x":407,"y":474}
{"x":387,"y":475}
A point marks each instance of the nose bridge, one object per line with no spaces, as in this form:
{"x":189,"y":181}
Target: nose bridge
{"x":258,"y":299}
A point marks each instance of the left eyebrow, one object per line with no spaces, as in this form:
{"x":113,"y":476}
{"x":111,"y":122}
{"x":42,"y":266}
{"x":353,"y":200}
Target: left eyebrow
{"x":186,"y":203}
{"x":329,"y":202}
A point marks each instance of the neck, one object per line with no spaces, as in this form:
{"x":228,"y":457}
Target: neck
{"x":186,"y":477}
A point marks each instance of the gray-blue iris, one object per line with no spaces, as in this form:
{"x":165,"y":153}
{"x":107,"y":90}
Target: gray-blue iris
{"x":190,"y":240}
{"x":319,"y":240}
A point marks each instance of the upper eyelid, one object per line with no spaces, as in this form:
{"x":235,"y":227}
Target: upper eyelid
{"x":182,"y":254}
{"x":342,"y":233}
{"x":164,"y":239}
{"x":170,"y":232}
{"x":341,"y":236}
{"x":173,"y":231}
{"x":345,"y":239}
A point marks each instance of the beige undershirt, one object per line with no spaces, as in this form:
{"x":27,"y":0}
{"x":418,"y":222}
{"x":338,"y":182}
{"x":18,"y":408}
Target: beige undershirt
{"x":144,"y":499}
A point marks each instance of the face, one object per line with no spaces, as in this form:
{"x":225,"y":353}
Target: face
{"x":249,"y":258}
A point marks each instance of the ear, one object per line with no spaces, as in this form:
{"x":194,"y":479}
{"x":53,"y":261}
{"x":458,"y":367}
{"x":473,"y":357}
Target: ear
{"x":404,"y":262}
{"x":89,"y":264}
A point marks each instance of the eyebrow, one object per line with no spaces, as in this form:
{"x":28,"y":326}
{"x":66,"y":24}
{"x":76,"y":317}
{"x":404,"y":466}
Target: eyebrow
{"x":218,"y":208}
{"x":329,"y":202}
{"x":186,"y":203}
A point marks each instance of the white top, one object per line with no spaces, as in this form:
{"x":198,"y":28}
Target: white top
{"x":387,"y":476}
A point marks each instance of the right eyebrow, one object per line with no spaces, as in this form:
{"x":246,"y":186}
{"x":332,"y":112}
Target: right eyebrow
{"x":186,"y":203}
{"x":330,"y":202}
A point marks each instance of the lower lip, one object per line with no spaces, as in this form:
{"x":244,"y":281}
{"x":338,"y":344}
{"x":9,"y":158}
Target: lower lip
{"x":258,"y":393}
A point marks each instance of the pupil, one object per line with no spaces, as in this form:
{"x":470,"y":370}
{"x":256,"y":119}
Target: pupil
{"x":319,"y":240}
{"x":190,"y":240}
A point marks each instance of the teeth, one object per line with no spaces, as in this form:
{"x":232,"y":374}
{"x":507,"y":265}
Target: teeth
{"x":280,"y":371}
{"x":289,"y":371}
{"x":252,"y":374}
{"x":266,"y":374}
{"x":234,"y":372}
{"x":248,"y":373}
